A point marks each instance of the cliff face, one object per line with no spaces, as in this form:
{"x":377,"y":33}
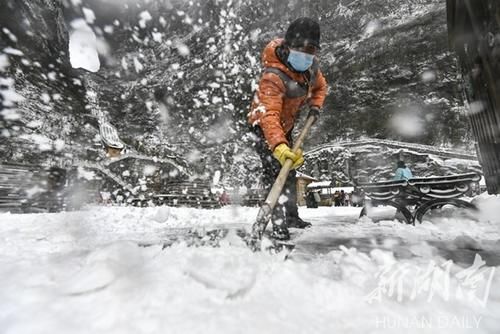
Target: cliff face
{"x":392,"y":74}
{"x":176,"y":77}
{"x":43,"y":103}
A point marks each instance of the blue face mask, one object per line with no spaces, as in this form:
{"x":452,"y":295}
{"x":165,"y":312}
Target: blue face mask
{"x":300,"y":61}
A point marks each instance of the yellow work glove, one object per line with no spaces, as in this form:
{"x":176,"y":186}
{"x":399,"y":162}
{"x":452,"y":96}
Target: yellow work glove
{"x":283,"y":152}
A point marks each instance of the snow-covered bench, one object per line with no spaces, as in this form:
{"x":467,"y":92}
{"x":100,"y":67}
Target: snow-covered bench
{"x":196,"y":194}
{"x":415,"y":197}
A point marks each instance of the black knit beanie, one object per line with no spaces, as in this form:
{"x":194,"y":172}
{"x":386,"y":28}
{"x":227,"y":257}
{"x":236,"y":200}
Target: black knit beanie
{"x":303,"y":32}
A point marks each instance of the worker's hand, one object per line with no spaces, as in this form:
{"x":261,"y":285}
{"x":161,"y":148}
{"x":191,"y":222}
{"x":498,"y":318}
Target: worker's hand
{"x":314,"y":111}
{"x":282,"y":152}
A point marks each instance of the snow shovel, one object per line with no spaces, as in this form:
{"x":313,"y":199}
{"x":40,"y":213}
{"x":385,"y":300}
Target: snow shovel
{"x":266,"y":209}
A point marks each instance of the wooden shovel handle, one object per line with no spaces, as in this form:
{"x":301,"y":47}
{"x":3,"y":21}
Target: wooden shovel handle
{"x":274,"y":194}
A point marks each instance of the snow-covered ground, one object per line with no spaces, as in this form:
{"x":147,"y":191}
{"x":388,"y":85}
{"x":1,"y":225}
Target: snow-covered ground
{"x":83,"y":272}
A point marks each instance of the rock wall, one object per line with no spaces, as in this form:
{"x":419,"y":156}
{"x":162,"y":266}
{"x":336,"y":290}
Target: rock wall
{"x":44,"y":119}
{"x":177,"y":77}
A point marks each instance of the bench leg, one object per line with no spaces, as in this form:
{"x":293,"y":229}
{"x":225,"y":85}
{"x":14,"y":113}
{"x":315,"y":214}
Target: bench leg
{"x":438,"y":203}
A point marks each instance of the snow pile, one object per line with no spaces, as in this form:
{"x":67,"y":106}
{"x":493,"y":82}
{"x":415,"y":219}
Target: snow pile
{"x":488,"y":208}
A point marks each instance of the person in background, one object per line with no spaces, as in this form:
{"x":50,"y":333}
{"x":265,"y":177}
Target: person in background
{"x":402,"y":172}
{"x":336,"y":198}
{"x":347,"y":201}
{"x":224,"y":198}
{"x":311,"y":201}
{"x":291,"y":79}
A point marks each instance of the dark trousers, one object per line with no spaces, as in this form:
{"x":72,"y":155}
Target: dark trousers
{"x":271,"y":167}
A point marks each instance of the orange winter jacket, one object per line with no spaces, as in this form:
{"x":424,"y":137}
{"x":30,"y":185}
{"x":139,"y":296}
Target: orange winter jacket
{"x":272,"y":109}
